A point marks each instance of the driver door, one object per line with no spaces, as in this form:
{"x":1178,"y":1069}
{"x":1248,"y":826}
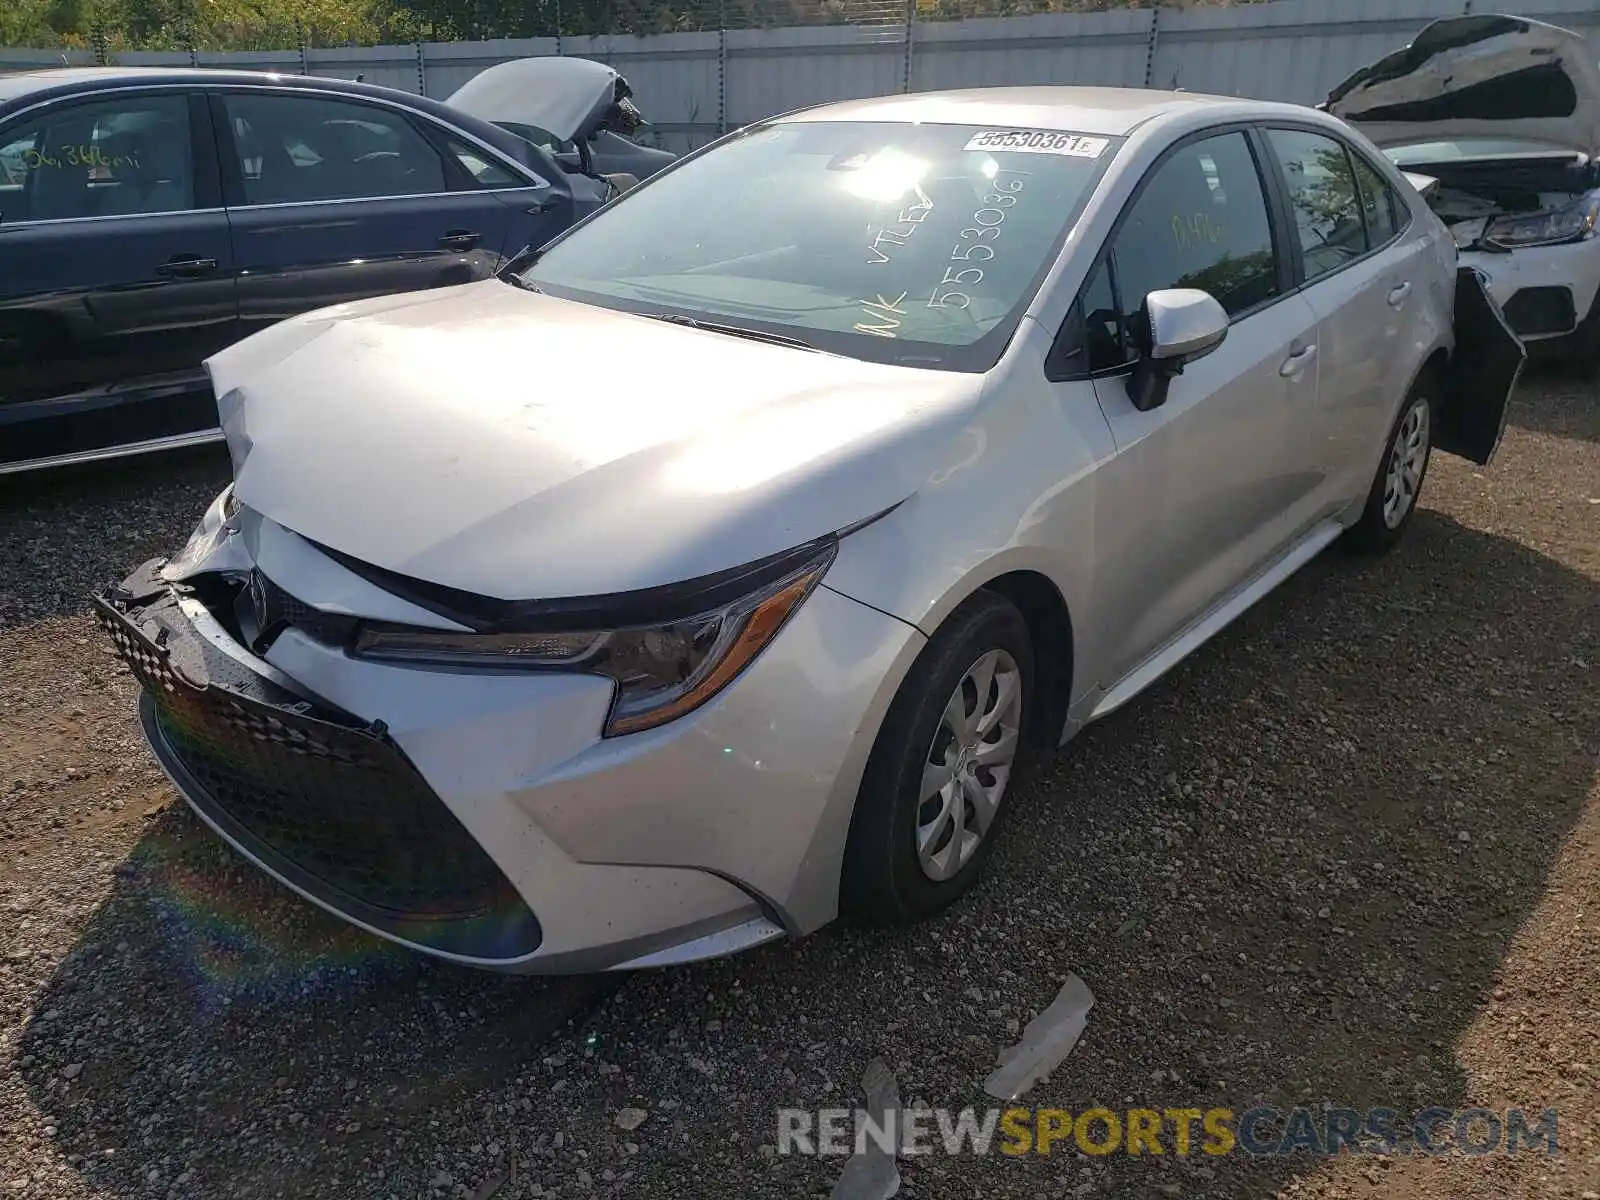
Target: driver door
{"x":331,"y":199}
{"x":1193,"y":506}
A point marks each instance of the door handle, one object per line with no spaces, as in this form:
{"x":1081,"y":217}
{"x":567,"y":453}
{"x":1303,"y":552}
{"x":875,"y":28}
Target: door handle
{"x":1398,"y":296}
{"x":459,"y":239}
{"x":181,"y":266}
{"x":1296,"y":363}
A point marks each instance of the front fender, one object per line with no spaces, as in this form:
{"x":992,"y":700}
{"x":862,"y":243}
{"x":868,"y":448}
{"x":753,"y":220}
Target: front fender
{"x":1016,"y":494}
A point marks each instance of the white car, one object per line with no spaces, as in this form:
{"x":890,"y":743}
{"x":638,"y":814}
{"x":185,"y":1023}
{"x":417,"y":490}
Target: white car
{"x":1503,"y":114}
{"x":931,"y":428}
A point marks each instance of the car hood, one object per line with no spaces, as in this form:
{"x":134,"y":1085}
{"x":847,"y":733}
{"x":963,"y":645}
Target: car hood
{"x":1479,"y":76}
{"x":567,"y":97}
{"x":518,"y":446}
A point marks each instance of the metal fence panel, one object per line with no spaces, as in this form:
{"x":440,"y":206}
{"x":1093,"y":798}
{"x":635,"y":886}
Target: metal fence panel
{"x":386,"y":66}
{"x":21,"y":58}
{"x":774,"y":70}
{"x":282,"y":61}
{"x":1581,"y":15}
{"x":1107,"y":49}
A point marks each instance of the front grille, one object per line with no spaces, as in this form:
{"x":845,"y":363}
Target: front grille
{"x":330,"y":804}
{"x":1541,"y":310}
{"x":275,"y":610}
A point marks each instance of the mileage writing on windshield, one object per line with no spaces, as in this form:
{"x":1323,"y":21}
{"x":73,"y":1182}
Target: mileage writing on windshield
{"x":979,"y":240}
{"x":976,"y":244}
{"x":980,"y":235}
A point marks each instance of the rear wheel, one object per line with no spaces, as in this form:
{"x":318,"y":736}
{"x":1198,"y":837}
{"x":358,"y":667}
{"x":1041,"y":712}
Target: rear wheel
{"x":1397,"y":487}
{"x":935,"y":785}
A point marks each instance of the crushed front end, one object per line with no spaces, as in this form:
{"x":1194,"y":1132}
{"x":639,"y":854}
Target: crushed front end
{"x":315,"y":795}
{"x":488,"y":815}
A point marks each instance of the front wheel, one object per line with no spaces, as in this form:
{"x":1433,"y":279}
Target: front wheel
{"x":1397,"y":487}
{"x":934,"y":787}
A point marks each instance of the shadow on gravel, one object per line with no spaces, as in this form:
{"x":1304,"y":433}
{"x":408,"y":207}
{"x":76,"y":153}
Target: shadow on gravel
{"x":1259,"y":868}
{"x":1562,"y":400}
{"x":1310,"y":847}
{"x":229,"y":1031}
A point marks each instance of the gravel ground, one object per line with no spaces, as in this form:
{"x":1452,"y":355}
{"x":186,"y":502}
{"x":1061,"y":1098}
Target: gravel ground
{"x":1347,"y":854}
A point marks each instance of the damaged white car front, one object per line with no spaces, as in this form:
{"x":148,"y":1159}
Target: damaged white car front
{"x":582,"y":112}
{"x":508,"y":783}
{"x":1502,"y":115}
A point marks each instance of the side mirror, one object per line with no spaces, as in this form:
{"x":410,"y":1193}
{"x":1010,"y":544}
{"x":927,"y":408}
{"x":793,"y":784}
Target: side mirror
{"x":1177,"y":326}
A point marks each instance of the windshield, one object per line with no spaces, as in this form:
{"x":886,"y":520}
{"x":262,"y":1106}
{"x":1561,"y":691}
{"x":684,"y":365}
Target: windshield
{"x":893,"y":242}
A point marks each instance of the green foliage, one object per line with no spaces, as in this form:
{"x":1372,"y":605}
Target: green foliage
{"x":43,"y":22}
{"x":282,"y":24}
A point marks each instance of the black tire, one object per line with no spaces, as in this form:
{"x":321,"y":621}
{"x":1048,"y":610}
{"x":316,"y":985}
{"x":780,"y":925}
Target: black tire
{"x":1377,"y":533}
{"x":883,"y":880}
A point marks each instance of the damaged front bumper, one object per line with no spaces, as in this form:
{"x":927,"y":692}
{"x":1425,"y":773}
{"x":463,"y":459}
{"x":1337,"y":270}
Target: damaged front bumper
{"x":481,"y":817}
{"x":322,"y":800}
{"x":332,"y":806}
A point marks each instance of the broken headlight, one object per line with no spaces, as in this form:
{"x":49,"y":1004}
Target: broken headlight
{"x":662,"y":671}
{"x":1549,"y":228}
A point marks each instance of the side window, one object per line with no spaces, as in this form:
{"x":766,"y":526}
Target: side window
{"x":485,"y":173}
{"x":1379,"y":204}
{"x":1201,"y":222}
{"x":306,"y":148}
{"x":1104,"y":346}
{"x":1091,"y":337}
{"x":1322,"y":193}
{"x":124,"y":157}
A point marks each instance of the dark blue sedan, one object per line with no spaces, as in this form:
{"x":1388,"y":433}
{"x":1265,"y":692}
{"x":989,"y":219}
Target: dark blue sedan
{"x":149,"y":218}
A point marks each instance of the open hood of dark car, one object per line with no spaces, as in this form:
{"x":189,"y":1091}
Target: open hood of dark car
{"x":1487,"y":76}
{"x":569,"y":98}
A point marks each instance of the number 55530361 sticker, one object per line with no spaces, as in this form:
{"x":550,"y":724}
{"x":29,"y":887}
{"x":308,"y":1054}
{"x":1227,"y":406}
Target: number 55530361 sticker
{"x":1039,"y":141}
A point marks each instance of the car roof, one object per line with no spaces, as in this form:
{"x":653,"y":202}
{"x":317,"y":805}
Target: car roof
{"x":30,"y":87}
{"x":70,"y":80}
{"x":1112,"y":112}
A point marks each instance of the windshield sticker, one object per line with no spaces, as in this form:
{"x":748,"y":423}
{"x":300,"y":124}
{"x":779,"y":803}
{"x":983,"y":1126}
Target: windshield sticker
{"x":882,"y":316}
{"x":899,"y":232}
{"x":977,"y":244}
{"x":1039,"y":141}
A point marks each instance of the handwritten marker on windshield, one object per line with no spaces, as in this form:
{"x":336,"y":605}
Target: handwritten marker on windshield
{"x":1047,"y":1040}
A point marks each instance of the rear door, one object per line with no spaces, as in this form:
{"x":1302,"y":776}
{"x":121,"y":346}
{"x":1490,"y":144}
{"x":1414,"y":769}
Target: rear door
{"x":116,"y":274}
{"x":335,"y":198}
{"x":1365,"y":279}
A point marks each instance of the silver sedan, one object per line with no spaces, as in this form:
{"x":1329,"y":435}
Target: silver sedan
{"x":715,"y":569}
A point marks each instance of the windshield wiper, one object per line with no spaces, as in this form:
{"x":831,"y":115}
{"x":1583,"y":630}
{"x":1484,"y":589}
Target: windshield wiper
{"x":755,"y":335}
{"x":518,"y":281}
